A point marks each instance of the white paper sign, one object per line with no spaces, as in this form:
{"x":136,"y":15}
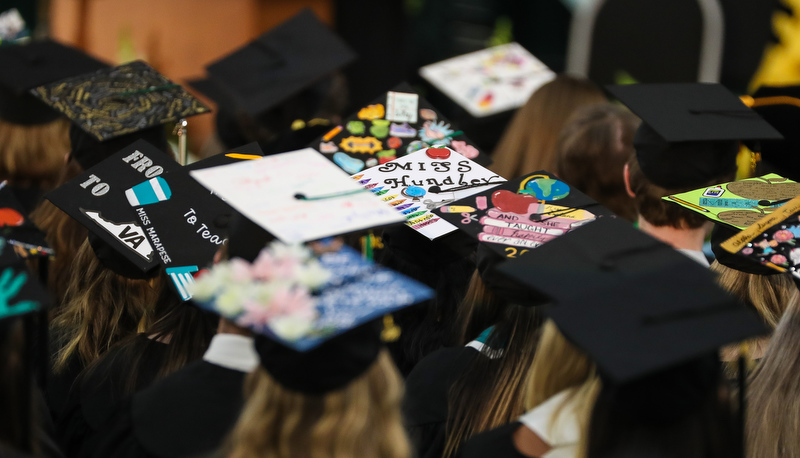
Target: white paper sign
{"x":297,"y":196}
{"x":489,"y":81}
{"x":427,"y":179}
{"x":402,"y":107}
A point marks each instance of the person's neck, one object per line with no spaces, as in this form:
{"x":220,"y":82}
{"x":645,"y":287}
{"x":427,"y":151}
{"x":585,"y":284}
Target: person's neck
{"x":680,"y":239}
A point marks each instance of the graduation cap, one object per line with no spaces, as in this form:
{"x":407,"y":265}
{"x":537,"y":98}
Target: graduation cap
{"x":31,"y":65}
{"x":770,"y":242}
{"x":101,"y":200}
{"x":298,"y":196}
{"x":719,"y":235}
{"x":779,"y":106}
{"x":276,"y":65}
{"x":23,"y":238}
{"x":395,"y":124}
{"x":740,"y":203}
{"x":191,"y":224}
{"x":522,"y":214}
{"x":491,"y":80}
{"x":690,"y":131}
{"x":633,"y":304}
{"x":318,"y":319}
{"x":116,"y":101}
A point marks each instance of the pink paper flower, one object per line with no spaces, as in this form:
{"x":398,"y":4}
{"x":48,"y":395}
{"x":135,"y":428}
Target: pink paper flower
{"x":783,"y":235}
{"x":777,"y":259}
{"x":747,"y":251}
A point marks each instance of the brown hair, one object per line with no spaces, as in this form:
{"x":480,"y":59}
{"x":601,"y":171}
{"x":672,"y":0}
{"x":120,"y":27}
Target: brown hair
{"x":63,"y":233}
{"x":100,"y":308}
{"x":591,"y":153}
{"x":773,"y":394}
{"x":490,"y":392}
{"x":361,"y":420}
{"x":33,"y":155}
{"x":529,"y":142}
{"x":479,"y":309}
{"x":656,"y":211}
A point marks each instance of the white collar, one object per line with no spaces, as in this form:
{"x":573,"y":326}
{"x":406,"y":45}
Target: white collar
{"x":696,"y":255}
{"x":560,"y":433}
{"x":232,"y":351}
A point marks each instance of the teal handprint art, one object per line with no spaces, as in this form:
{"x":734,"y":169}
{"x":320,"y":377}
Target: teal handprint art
{"x":10,"y":286}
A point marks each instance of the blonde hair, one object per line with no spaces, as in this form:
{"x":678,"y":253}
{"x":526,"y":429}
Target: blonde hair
{"x":100,"y":308}
{"x":558,"y":366}
{"x":33,"y":155}
{"x":770,"y":295}
{"x":773,"y":394}
{"x":361,"y":420}
{"x":529,"y":142}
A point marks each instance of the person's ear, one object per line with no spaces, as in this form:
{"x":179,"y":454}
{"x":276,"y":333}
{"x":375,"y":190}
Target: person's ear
{"x":626,"y":175}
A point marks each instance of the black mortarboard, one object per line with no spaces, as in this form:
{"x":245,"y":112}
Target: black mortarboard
{"x":98,"y":199}
{"x":720,"y":234}
{"x":517,"y":216}
{"x":276,"y":65}
{"x":192,"y":224}
{"x":116,"y":101}
{"x":25,"y":239}
{"x":690,"y":131}
{"x":88,"y":151}
{"x":342,"y":337}
{"x":370,"y":137}
{"x":780,"y":106}
{"x":31,"y":65}
{"x":633,"y":304}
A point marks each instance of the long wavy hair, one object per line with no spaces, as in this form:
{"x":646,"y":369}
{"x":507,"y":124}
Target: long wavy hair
{"x":187,"y":330}
{"x":361,"y":420}
{"x":773,"y":394}
{"x":63,"y":233}
{"x":490,"y":392}
{"x":100,"y":308}
{"x":529,"y":142}
{"x":32,"y":156}
{"x":479,"y":309}
{"x":558,"y":366}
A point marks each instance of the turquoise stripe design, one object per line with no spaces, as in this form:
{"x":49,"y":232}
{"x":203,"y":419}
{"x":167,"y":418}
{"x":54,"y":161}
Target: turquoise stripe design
{"x":164,"y":187}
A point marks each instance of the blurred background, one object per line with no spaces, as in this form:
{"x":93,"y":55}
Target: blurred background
{"x":661,"y":39}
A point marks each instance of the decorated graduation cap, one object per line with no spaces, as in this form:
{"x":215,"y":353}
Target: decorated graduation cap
{"x":100,"y":199}
{"x":779,"y":106}
{"x":491,"y":80}
{"x":23,"y":238}
{"x":424,"y":180}
{"x":121,"y":100}
{"x":690,"y":131}
{"x":191,"y":224}
{"x":741,"y":203}
{"x":298,"y":196}
{"x":275,"y":66}
{"x":28,"y":66}
{"x":394,"y":125}
{"x":770,"y":243}
{"x":318,"y":319}
{"x":520,"y":215}
{"x":641,"y":306}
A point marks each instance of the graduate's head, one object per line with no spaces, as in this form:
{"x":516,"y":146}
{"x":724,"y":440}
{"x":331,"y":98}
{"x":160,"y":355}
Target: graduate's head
{"x":689,"y":138}
{"x":591,"y":153}
{"x":99,"y":308}
{"x":33,"y":156}
{"x":360,"y":419}
{"x":529,"y":142}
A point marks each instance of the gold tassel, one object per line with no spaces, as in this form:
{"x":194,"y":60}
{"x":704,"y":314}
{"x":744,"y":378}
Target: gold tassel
{"x":391,"y":332}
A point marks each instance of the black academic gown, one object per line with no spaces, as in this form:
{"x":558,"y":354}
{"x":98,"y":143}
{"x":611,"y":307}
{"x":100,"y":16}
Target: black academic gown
{"x":188,"y":413}
{"x":98,"y":393}
{"x":425,"y":404}
{"x":497,"y":443}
